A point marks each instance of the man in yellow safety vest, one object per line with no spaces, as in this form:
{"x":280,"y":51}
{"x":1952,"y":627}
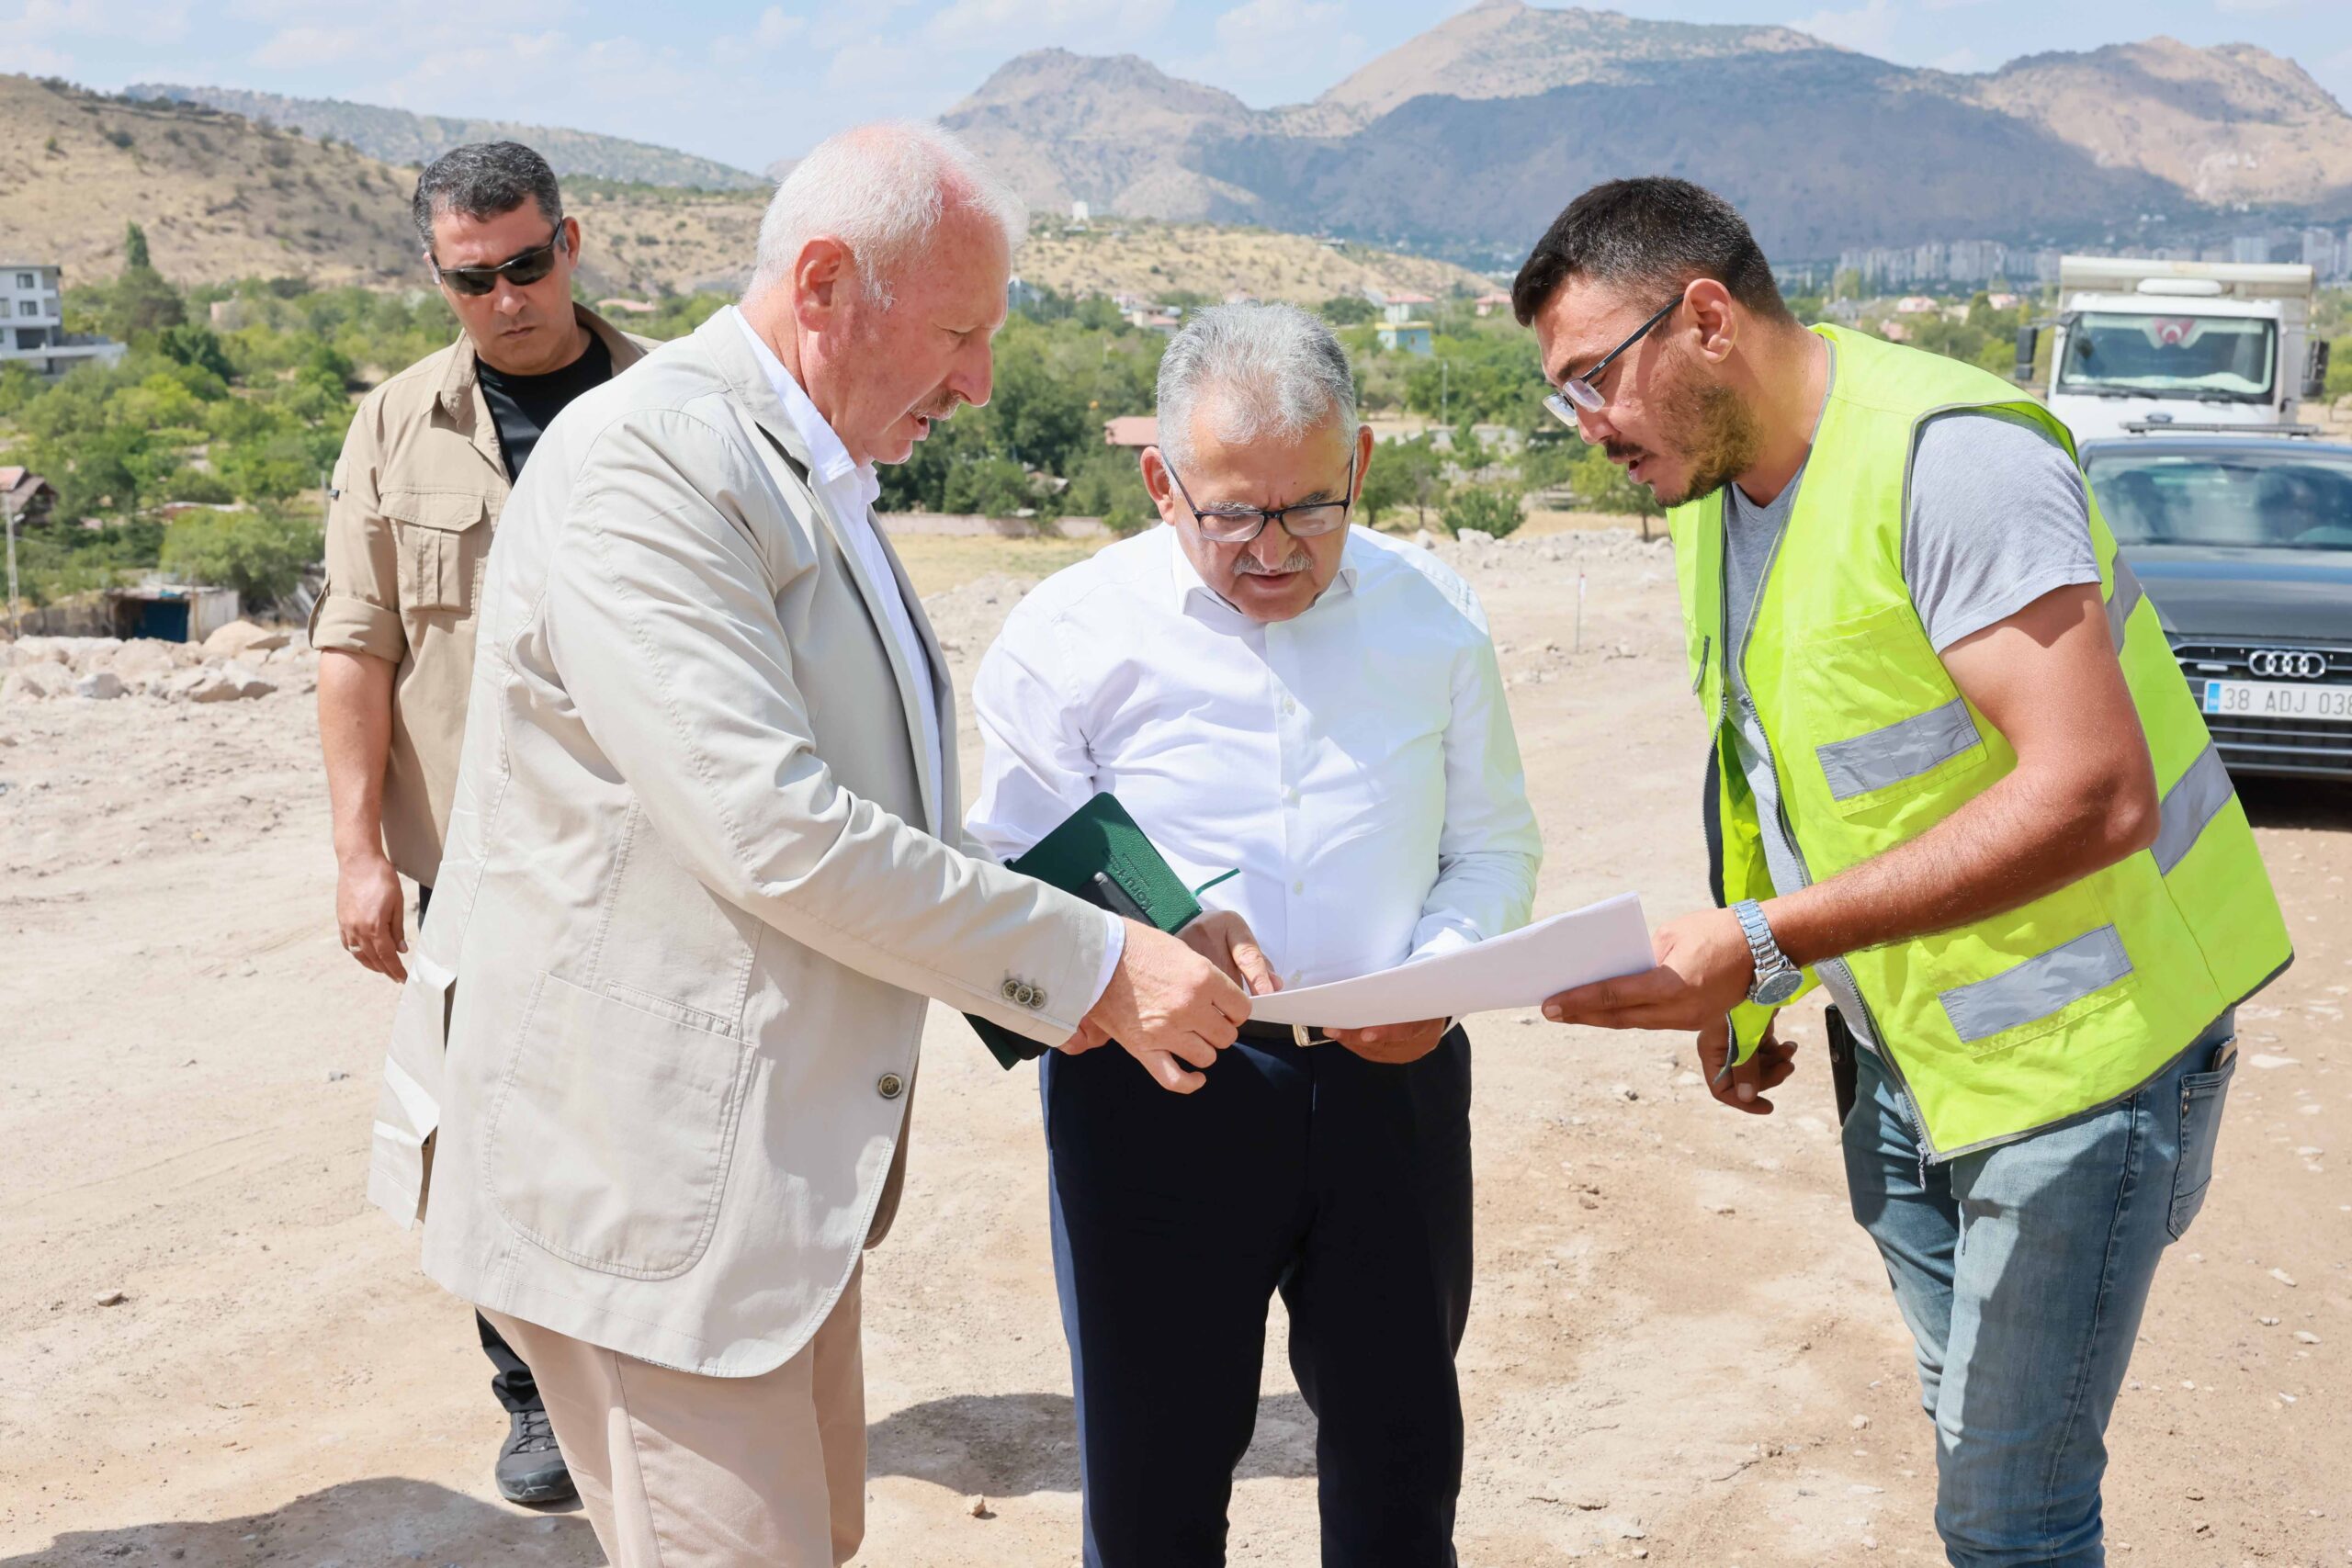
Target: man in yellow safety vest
{"x":1957,"y":779}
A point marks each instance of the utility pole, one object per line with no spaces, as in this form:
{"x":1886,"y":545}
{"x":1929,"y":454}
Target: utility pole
{"x":15,"y":618}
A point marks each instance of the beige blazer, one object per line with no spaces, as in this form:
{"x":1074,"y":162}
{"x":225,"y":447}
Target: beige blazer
{"x":656,"y":1049}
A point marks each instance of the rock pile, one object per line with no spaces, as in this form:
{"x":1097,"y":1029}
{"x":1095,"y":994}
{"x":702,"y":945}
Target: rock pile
{"x":240,"y":660}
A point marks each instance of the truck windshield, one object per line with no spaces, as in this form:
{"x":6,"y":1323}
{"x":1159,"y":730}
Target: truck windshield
{"x":2286,"y":499}
{"x":2227,"y":357}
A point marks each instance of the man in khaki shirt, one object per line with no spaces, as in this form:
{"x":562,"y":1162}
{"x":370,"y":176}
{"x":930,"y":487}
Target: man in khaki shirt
{"x":425,"y":471}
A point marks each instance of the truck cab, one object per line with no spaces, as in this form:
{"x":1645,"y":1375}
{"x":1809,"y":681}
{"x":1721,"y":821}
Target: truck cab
{"x":2192,"y":344}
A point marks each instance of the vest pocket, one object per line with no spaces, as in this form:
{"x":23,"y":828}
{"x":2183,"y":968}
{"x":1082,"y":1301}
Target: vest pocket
{"x":2202,"y":1095}
{"x":614,"y":1126}
{"x":431,"y":533}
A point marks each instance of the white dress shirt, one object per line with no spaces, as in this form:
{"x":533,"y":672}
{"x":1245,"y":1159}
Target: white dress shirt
{"x":847,"y":488}
{"x":1355,"y":762}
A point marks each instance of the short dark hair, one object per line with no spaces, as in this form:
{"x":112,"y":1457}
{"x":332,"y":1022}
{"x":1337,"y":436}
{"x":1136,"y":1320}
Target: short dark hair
{"x":1653,"y":231}
{"x":484,"y":179}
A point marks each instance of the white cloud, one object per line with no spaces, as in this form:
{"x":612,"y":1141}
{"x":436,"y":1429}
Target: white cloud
{"x":775,"y":27}
{"x":294,"y":48}
{"x":150,"y":21}
{"x":1095,"y":26}
{"x":1260,"y":42}
{"x":1867,"y":27}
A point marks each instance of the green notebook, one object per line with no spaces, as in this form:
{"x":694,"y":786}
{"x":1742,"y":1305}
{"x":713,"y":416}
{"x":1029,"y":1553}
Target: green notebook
{"x":1099,"y":854}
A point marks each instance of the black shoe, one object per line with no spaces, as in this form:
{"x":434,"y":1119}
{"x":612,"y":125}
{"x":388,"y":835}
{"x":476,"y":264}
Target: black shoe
{"x":530,"y":1466}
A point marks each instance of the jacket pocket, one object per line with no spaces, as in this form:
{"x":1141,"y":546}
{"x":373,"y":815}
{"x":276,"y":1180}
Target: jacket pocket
{"x":2202,"y":1095}
{"x":434,"y":533}
{"x":613,"y":1131}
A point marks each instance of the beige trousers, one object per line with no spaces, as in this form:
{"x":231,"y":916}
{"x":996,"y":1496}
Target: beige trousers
{"x":680,"y":1470}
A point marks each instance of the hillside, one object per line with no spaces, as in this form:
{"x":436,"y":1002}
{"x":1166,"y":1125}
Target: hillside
{"x":2226,"y":124}
{"x":1465,"y":139}
{"x":397,"y":136}
{"x":223,"y":198}
{"x":1148,"y":258}
{"x":219,"y":195}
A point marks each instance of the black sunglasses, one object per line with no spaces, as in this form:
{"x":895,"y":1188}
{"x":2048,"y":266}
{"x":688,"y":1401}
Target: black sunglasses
{"x":522,"y":270}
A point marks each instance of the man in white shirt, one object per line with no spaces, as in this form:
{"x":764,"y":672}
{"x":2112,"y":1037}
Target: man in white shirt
{"x":1316,"y":709}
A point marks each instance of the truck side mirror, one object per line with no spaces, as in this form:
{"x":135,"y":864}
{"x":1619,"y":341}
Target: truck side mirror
{"x":2028,"y":337}
{"x":2315,"y":373}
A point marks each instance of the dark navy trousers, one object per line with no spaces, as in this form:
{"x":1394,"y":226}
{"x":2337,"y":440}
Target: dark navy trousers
{"x":1342,"y":1183}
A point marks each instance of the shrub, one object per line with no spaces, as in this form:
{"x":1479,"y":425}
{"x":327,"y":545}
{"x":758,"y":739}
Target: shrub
{"x":1483,"y":508}
{"x":259,"y":554}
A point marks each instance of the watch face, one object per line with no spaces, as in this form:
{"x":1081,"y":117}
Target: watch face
{"x":1771,"y":990}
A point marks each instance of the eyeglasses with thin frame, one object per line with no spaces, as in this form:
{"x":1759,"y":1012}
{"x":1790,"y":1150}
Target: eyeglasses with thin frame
{"x":522,"y":270}
{"x":1240,"y":525}
{"x":1582,"y":392}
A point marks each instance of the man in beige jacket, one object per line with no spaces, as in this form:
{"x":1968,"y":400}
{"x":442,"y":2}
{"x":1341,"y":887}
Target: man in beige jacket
{"x":704,"y":866}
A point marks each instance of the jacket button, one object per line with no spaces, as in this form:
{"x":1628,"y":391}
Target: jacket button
{"x":1012,"y":989}
{"x":1037,"y":998}
{"x":889,"y":1086}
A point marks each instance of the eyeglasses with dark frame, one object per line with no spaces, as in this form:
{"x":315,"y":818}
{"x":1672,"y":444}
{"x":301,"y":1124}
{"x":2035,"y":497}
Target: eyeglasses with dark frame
{"x":522,"y":269}
{"x":1240,"y":525}
{"x":1582,"y":392}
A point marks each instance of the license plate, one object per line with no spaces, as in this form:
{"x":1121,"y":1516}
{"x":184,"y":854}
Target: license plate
{"x":2279,"y":699}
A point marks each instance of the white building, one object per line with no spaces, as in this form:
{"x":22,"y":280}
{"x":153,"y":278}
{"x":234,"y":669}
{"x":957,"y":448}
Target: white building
{"x":33,"y":333}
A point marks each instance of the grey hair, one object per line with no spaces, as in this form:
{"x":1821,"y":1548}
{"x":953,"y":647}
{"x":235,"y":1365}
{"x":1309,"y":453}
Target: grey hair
{"x":880,"y":189}
{"x":484,"y":179}
{"x":1270,"y":370}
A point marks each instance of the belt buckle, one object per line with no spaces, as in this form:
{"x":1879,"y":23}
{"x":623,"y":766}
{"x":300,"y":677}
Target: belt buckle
{"x":1301,"y":1034}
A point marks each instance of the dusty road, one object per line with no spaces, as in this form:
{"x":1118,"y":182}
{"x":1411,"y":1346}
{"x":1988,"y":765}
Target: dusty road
{"x":1681,"y":1348}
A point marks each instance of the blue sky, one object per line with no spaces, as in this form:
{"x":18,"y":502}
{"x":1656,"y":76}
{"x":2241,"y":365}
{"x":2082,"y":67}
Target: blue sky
{"x":748,"y":80}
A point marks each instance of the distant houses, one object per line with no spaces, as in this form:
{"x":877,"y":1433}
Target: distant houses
{"x":1401,"y":328}
{"x":1131,"y":431}
{"x":25,"y":498}
{"x":34,"y":334}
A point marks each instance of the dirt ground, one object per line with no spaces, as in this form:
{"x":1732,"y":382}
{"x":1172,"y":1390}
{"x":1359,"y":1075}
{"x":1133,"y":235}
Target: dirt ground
{"x":1682,"y":1348}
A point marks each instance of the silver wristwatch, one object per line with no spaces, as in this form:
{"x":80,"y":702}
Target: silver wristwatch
{"x":1777,"y":979}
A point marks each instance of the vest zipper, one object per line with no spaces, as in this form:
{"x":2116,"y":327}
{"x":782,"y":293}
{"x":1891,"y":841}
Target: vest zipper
{"x":1781,"y":806}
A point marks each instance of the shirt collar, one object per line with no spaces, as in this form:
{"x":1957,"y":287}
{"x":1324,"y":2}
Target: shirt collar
{"x":829,"y":460}
{"x":1185,"y":581}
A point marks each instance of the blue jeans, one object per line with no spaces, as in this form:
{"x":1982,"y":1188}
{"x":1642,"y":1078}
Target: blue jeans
{"x":2022,"y":1271}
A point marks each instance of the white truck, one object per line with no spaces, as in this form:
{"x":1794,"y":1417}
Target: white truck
{"x":2142,"y":344}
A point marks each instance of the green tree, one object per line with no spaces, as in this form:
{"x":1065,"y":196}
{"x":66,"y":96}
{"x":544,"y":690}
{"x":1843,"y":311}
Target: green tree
{"x":993,"y":487}
{"x":1347,"y":310}
{"x":1483,"y":508}
{"x":1403,"y":474}
{"x":198,"y":347}
{"x":134,"y":247}
{"x":259,"y":554}
{"x":1602,"y":486}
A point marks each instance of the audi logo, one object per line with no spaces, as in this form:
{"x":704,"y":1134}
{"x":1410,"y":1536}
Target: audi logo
{"x":2287,"y":663}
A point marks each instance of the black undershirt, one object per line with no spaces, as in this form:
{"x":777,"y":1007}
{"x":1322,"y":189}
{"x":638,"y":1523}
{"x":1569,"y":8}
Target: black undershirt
{"x":522,"y":406}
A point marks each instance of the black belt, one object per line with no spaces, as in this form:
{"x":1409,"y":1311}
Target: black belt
{"x":1283,"y":1034}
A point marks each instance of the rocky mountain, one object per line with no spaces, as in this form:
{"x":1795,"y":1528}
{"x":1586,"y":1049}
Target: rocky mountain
{"x":1501,"y":48}
{"x":1466,"y":141}
{"x":2227,"y":124}
{"x":397,"y":136}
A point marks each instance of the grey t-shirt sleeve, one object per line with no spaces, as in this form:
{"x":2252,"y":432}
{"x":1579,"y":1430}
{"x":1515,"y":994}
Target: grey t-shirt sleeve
{"x":1997,"y":519}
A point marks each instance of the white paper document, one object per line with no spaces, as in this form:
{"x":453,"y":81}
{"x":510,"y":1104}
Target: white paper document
{"x":1598,"y":943}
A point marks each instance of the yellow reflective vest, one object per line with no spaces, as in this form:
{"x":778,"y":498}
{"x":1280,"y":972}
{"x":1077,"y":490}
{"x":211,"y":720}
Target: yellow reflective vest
{"x":2023,"y":1018}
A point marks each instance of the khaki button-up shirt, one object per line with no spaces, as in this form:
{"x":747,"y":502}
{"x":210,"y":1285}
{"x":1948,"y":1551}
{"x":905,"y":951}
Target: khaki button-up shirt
{"x":416,"y":496}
